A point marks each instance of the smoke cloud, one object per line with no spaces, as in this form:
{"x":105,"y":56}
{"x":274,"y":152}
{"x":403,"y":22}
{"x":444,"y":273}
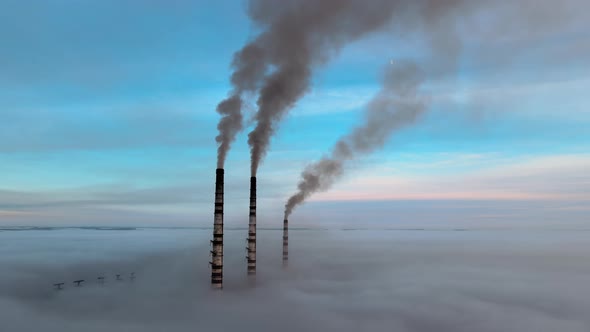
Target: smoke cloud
{"x":249,"y":68}
{"x":297,"y":37}
{"x":396,"y":105}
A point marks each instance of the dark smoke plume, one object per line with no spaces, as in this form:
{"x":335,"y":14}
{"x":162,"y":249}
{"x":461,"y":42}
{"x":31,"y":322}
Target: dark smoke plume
{"x":397,"y":104}
{"x":298,"y":36}
{"x":295,"y":37}
{"x":249,"y":68}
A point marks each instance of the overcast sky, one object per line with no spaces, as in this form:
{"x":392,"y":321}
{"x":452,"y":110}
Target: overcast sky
{"x":107,"y":116}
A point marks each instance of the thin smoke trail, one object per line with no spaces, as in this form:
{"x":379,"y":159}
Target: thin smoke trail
{"x":395,"y":106}
{"x":249,"y":68}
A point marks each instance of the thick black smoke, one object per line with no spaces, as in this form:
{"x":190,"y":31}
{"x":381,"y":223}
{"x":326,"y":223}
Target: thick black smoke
{"x":397,"y":104}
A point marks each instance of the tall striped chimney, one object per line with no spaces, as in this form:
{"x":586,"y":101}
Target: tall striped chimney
{"x":217,"y":242}
{"x":285,"y":242}
{"x":252,"y":229}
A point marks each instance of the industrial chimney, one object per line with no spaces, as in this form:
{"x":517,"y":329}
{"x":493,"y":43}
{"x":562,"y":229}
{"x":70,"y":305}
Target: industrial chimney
{"x":285,"y":242}
{"x":252,"y":229}
{"x":217,"y":243}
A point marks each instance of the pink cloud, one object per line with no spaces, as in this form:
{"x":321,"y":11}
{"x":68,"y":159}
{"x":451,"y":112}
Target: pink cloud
{"x":561,"y":177}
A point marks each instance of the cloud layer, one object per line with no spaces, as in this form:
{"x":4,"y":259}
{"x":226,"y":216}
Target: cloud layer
{"x":408,"y":281}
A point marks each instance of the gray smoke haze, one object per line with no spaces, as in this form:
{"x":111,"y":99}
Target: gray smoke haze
{"x":249,"y":66}
{"x":229,"y":125}
{"x":397,"y":104}
{"x":298,"y":35}
{"x":407,"y":281}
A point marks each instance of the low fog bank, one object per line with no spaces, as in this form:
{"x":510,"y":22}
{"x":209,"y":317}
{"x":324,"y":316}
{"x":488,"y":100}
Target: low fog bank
{"x":336,"y":281}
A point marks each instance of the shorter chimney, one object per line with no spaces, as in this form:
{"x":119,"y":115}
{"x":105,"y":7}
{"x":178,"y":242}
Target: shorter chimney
{"x":285,"y":242}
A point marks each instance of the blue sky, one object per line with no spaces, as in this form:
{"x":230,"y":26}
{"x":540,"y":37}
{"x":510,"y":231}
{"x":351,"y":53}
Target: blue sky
{"x":108,"y":118}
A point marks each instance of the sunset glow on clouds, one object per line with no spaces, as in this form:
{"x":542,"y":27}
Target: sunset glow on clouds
{"x":562,"y":177}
